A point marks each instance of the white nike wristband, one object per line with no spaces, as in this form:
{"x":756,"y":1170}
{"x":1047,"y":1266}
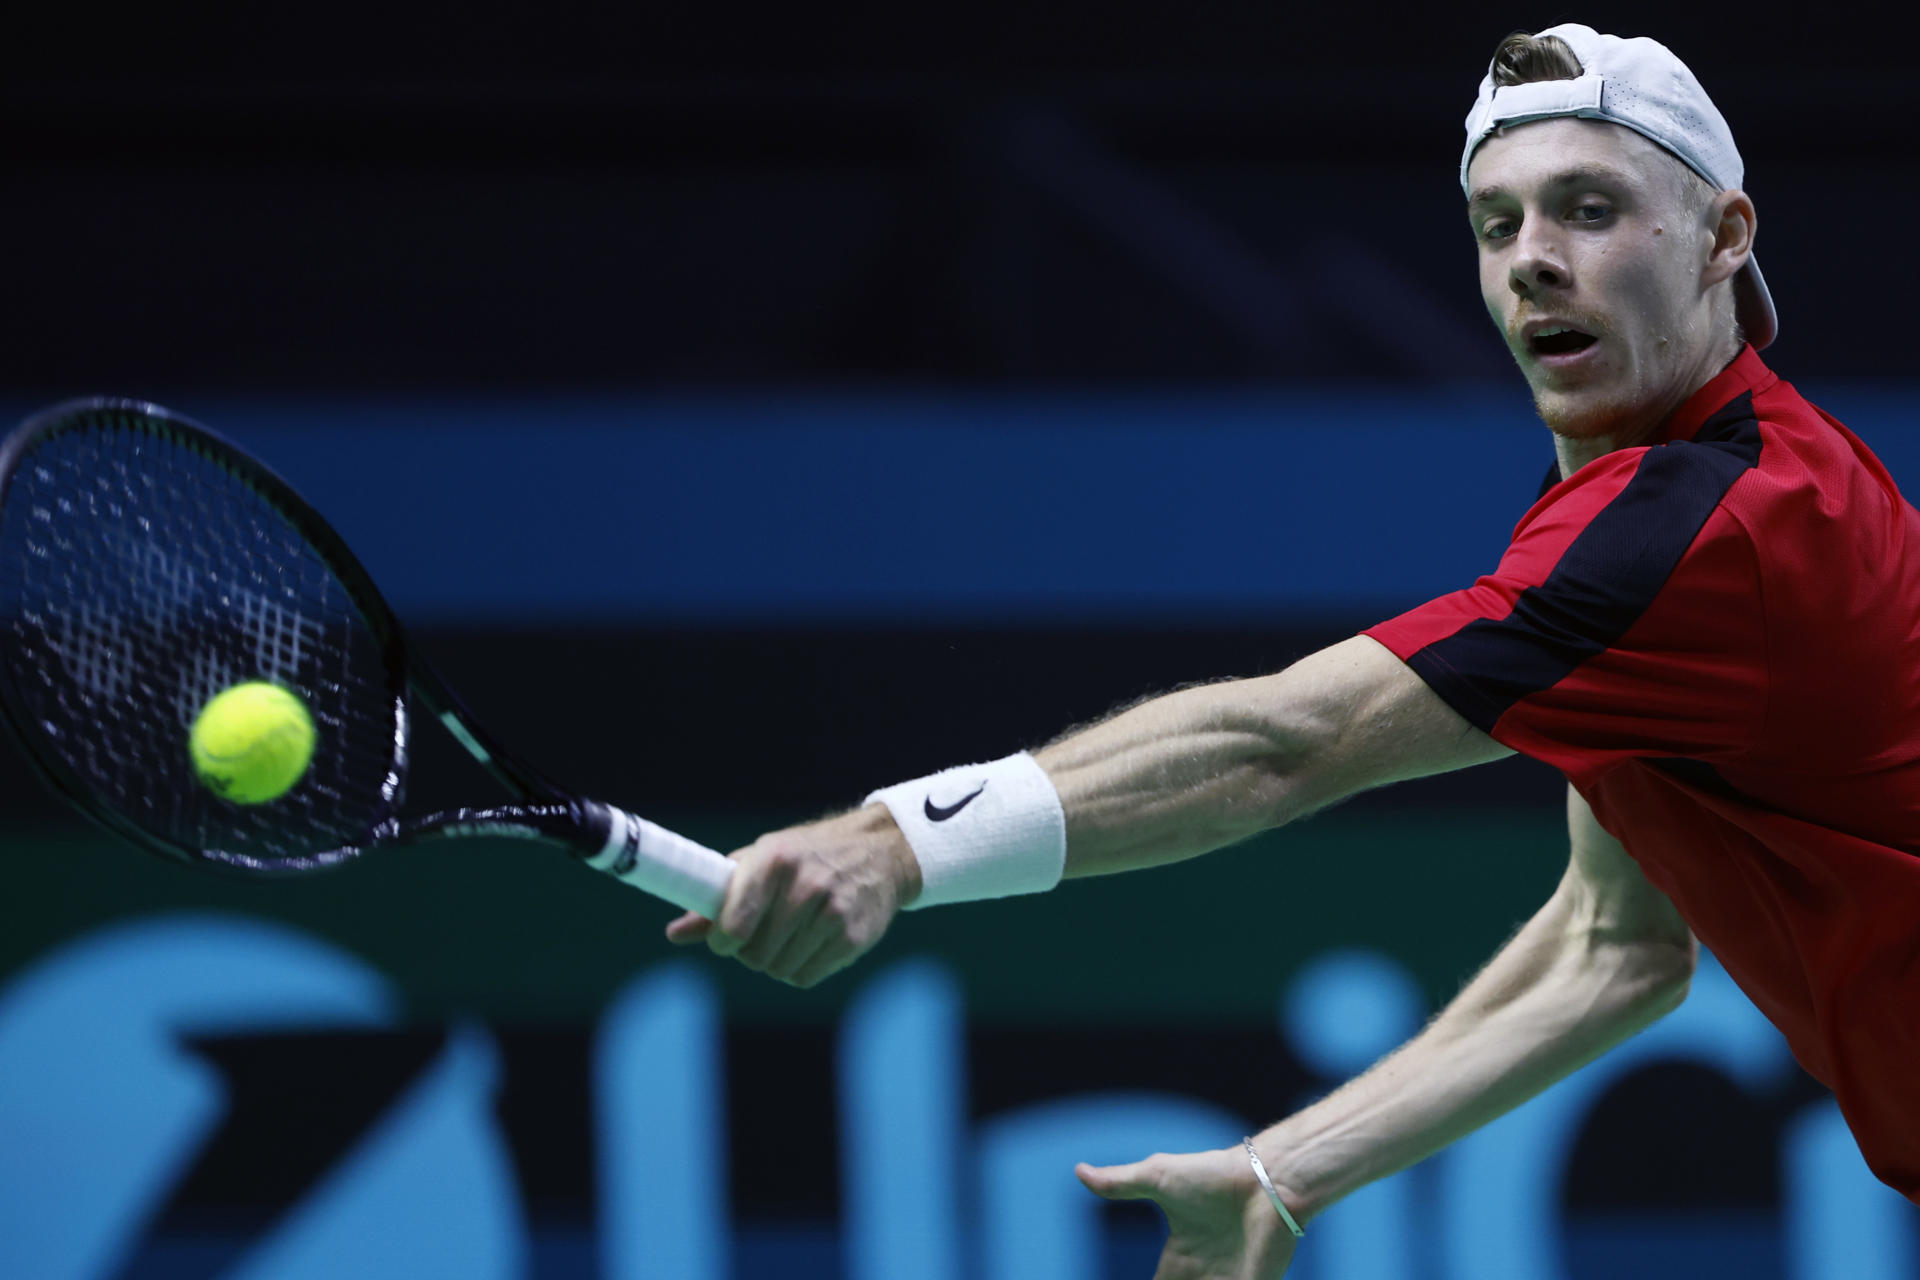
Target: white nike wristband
{"x":981,"y":830}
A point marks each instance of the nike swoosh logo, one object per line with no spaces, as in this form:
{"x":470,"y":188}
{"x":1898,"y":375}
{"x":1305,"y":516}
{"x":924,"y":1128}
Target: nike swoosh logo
{"x":940,"y":813}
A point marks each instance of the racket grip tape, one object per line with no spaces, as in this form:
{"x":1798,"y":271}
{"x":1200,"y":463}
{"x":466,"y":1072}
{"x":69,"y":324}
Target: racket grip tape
{"x":663,"y":863}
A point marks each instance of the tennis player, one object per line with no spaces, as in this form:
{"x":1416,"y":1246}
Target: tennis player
{"x":1707,"y":621}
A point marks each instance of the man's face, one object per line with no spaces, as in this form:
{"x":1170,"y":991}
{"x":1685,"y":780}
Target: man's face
{"x":1588,"y":226}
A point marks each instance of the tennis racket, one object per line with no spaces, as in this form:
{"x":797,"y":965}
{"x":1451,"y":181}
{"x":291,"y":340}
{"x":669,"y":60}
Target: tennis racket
{"x":146,"y":564}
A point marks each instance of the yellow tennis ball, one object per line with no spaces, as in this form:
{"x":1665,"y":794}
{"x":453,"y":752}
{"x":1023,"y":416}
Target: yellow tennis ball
{"x":252,"y":742}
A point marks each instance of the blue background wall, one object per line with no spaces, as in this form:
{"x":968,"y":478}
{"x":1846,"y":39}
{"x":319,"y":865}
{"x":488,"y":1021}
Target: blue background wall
{"x":1267,"y":508}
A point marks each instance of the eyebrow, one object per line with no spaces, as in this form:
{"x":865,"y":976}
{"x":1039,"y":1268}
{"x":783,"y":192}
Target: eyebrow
{"x":1586,"y":175}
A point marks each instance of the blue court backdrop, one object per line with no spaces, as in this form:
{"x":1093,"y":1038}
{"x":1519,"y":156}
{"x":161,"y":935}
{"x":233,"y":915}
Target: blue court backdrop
{"x":920,"y":1114}
{"x":1181,"y":509}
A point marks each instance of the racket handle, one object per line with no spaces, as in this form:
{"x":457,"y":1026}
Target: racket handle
{"x":663,"y":863}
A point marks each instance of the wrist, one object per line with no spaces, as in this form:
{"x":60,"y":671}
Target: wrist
{"x":1316,"y":1163}
{"x":876,"y":823}
{"x":1278,"y":1194}
{"x":1304,"y":1194}
{"x":981,"y":831}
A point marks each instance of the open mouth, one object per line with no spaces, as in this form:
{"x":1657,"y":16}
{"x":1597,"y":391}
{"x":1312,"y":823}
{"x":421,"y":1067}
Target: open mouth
{"x":1560,"y":341}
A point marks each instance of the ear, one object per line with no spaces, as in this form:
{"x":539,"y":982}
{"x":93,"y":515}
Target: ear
{"x":1730,"y":224}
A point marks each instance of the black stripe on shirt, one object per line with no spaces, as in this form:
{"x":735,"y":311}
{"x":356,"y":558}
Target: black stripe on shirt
{"x":1606,"y":579}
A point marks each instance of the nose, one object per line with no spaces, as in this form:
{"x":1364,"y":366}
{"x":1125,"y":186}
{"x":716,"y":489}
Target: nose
{"x":1537,"y":263}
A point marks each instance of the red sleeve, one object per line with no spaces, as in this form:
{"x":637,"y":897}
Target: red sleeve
{"x":1624,"y":620}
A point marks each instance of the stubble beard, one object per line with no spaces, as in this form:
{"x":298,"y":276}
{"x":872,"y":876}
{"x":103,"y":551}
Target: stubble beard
{"x":1580,"y":413}
{"x":1588,"y":416}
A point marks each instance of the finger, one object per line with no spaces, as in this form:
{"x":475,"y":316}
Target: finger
{"x":822,"y":964}
{"x":782,"y":925}
{"x":798,"y":947}
{"x":688,"y":929}
{"x":1118,"y":1181}
{"x":755,"y":887}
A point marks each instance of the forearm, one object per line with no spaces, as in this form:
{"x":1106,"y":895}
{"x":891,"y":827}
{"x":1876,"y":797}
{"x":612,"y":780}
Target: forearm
{"x":1204,"y":767}
{"x":1175,"y":777}
{"x":1557,"y":996}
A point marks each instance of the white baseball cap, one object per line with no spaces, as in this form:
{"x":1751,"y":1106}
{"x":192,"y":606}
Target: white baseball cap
{"x":1640,"y":84}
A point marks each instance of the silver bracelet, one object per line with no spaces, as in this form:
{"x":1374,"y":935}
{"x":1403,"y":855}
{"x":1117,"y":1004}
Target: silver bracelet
{"x":1266,"y":1183}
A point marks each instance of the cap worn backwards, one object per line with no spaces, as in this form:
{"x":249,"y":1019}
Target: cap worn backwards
{"x":1640,"y":84}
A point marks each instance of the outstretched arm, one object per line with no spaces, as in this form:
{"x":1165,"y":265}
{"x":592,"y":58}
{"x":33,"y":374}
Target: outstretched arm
{"x":1168,"y":779}
{"x":1605,"y":956}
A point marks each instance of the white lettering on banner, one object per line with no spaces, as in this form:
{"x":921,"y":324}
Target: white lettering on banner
{"x":94,"y":1067}
{"x":902,"y":1098}
{"x":1519,"y":1161}
{"x":1841,"y":1223}
{"x":925,"y":1195}
{"x":660,"y":1131}
{"x":1342,"y":1012}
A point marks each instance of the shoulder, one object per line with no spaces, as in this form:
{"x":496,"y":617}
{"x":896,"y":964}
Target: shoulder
{"x":1634,"y":513}
{"x":1684,"y":472}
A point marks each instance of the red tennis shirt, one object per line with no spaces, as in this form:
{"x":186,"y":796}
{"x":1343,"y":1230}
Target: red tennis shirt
{"x":1716,"y":637}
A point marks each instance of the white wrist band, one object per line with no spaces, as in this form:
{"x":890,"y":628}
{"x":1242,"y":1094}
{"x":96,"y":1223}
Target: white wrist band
{"x":981,"y":830}
{"x":1266,"y":1184}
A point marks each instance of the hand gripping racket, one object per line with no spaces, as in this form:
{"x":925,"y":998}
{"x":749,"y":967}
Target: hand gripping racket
{"x":146,"y":564}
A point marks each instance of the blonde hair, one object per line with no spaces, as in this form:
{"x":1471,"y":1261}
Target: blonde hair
{"x":1523,"y":58}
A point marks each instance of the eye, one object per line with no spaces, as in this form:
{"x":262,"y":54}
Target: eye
{"x":1590,"y":213}
{"x":1497,"y":229}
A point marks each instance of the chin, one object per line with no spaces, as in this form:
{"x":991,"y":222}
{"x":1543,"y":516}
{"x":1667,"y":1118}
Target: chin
{"x":1577,"y":417}
{"x":1587,"y":414}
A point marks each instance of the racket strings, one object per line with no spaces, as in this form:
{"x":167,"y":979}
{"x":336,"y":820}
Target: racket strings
{"x":139,"y":577}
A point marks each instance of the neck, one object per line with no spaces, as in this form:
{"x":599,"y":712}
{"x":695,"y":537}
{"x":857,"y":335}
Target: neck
{"x":1576,"y":452}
